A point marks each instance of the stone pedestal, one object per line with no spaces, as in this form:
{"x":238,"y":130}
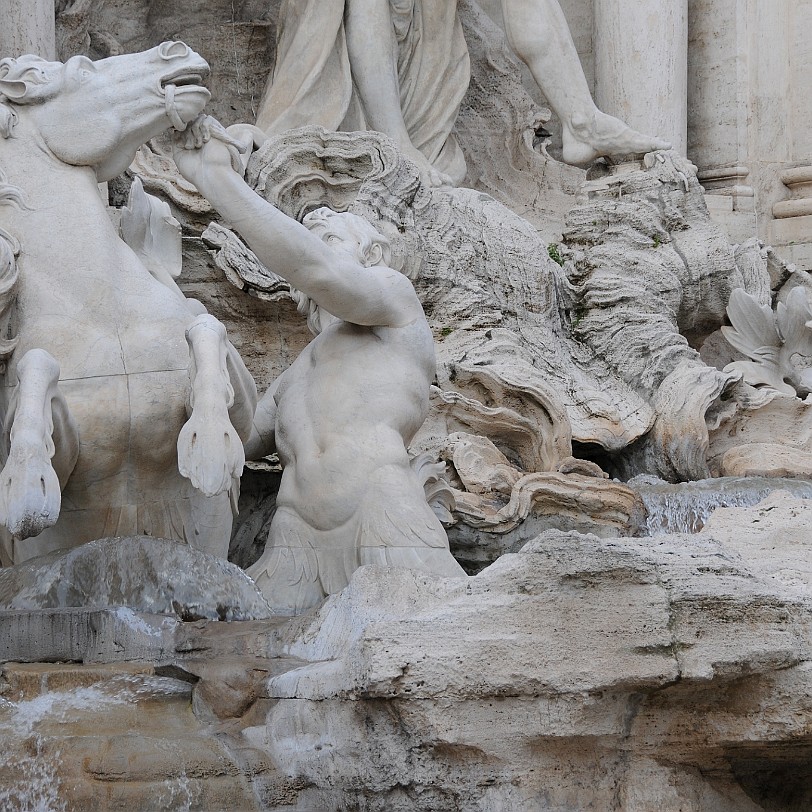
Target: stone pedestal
{"x":791,"y":230}
{"x":27,"y":28}
{"x":730,"y":200}
{"x":641,"y":65}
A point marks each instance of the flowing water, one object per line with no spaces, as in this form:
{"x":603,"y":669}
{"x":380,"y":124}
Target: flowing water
{"x":36,"y":769}
{"x":33,"y":784}
{"x":684,"y":508}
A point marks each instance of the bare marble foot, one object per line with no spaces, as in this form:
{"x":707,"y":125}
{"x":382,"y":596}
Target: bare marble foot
{"x":428,"y":174}
{"x":587,"y":137}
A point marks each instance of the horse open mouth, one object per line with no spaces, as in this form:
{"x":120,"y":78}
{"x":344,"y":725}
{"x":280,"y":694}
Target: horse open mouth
{"x":187,"y":78}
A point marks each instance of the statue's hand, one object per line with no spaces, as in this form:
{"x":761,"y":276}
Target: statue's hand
{"x":205,"y":145}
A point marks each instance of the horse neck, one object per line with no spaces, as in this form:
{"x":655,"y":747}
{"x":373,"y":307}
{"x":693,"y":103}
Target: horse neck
{"x":64,"y":209}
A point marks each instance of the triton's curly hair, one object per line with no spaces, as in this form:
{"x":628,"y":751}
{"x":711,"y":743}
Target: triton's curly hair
{"x":319,"y":222}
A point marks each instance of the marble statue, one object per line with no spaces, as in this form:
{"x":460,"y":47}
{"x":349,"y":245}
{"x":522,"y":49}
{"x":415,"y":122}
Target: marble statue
{"x":112,"y":424}
{"x":539,"y":35}
{"x":398,"y":67}
{"x":776,"y":343}
{"x":402,"y":68}
{"x":343,"y":413}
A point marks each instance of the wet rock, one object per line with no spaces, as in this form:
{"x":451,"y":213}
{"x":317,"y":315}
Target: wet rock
{"x":145,"y":574}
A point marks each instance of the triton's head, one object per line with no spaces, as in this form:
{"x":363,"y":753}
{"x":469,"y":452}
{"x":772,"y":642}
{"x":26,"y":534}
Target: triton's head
{"x":351,"y":233}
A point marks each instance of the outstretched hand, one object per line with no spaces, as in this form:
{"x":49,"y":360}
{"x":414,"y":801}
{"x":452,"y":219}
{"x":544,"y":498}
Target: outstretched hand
{"x":204,"y":145}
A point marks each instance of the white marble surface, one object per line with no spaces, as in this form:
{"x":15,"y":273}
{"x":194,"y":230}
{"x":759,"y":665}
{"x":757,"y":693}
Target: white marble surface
{"x":87,"y":305}
{"x":28,"y":28}
{"x":341,"y":416}
{"x":641,"y":65}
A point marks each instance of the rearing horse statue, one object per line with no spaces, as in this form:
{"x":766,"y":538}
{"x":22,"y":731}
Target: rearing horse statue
{"x":124,"y":406}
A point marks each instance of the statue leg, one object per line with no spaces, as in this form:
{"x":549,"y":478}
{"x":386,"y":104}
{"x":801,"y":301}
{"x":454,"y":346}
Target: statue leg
{"x":538,"y":33}
{"x":43,"y":446}
{"x":373,"y":56}
{"x":210,"y":449}
{"x":246,"y":397}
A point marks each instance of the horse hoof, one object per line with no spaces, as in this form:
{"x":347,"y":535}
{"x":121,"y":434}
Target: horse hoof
{"x":210,"y":456}
{"x":29,"y":493}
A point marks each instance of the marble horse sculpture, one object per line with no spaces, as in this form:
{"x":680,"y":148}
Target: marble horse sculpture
{"x":124,"y":405}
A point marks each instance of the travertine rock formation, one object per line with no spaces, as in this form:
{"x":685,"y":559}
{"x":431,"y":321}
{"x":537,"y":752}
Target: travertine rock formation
{"x":619,"y":674}
{"x":648,"y":257}
{"x":669,"y":673}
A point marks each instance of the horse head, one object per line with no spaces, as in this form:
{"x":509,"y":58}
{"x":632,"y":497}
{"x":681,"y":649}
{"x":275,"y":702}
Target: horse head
{"x":98,"y":114}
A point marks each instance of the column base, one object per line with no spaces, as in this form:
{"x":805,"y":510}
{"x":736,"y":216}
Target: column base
{"x":791,"y":230}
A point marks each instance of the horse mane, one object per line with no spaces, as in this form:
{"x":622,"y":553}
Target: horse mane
{"x":10,"y":195}
{"x":33,"y":73}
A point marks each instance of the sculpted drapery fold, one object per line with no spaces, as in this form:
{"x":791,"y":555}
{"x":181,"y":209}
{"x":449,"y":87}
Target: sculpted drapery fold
{"x":312,"y":81}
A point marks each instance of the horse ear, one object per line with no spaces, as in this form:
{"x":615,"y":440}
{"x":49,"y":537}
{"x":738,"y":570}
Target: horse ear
{"x":13,"y":90}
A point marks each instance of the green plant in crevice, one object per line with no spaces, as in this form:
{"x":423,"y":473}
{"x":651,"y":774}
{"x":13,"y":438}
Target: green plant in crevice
{"x":555,"y":254}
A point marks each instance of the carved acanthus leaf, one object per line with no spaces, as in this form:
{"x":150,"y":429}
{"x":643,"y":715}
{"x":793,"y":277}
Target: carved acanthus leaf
{"x":778,"y":343}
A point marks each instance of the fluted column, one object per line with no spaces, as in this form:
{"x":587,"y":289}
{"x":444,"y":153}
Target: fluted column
{"x":641,"y":65}
{"x":27,"y":27}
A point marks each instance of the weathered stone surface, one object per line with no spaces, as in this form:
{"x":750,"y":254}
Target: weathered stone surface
{"x":647,"y":256}
{"x":669,"y":673}
{"x":767,"y":459}
{"x":761,"y":416}
{"x":84,"y":635}
{"x":774,"y":536}
{"x":142,"y":573}
{"x":635,"y":674}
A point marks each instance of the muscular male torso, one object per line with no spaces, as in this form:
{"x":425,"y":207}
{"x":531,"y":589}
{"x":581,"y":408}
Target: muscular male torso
{"x":348,"y":406}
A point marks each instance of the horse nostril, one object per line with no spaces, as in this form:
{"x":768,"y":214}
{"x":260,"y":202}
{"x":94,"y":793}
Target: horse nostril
{"x":173,"y":50}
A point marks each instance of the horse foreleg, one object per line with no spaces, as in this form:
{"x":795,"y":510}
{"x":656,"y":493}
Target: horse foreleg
{"x":43,"y":445}
{"x":210,"y":451}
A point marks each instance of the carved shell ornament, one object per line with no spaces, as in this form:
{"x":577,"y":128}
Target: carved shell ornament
{"x":778,"y":343}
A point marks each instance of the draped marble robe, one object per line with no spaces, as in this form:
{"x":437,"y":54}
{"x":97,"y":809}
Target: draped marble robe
{"x":312,"y":80}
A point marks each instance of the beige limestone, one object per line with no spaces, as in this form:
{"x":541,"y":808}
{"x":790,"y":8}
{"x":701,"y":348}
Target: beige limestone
{"x":95,"y":738}
{"x":767,"y":459}
{"x":669,"y":673}
{"x":682,"y":653}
